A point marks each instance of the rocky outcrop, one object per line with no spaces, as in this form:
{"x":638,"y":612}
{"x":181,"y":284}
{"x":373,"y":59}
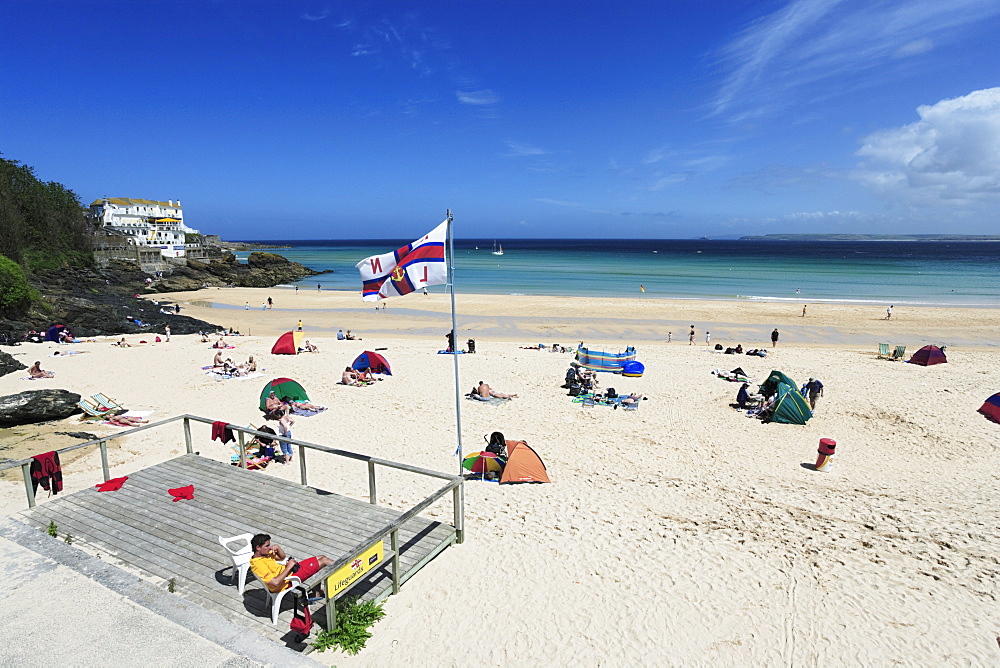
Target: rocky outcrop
{"x":36,"y":406}
{"x":9,"y":365}
{"x":117,"y":299}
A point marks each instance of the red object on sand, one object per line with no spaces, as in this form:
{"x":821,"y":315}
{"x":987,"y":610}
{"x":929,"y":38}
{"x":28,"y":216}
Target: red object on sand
{"x":827,"y":448}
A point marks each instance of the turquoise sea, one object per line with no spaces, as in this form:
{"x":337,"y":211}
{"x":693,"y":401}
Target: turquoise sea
{"x":884,"y":272}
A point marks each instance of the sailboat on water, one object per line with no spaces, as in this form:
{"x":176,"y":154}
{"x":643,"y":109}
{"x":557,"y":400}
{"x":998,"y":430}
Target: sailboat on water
{"x":495,"y":251}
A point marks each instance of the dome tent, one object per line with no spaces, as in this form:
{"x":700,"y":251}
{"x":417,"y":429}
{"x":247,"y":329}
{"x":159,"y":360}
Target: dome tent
{"x":287,"y":344}
{"x":927,"y":356}
{"x":368,"y":359}
{"x":283,"y":387}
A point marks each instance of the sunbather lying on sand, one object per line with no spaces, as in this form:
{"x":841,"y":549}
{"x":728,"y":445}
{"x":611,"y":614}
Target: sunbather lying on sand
{"x":36,"y":371}
{"x":350,"y":377}
{"x":485,"y":391}
{"x":304,"y":405}
{"x":125,"y":421}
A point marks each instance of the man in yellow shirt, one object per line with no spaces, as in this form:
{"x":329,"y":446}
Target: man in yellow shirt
{"x":273,"y":566}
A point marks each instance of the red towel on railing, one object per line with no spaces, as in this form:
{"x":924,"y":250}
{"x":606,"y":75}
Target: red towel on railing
{"x":111,"y":485}
{"x":221,"y":431}
{"x":186,"y":492}
{"x":46,"y":470}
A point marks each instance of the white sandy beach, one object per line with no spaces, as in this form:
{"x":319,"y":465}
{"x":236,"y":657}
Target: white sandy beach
{"x":684,"y":533}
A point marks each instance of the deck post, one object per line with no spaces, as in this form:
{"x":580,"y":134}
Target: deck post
{"x":371,"y":484}
{"x":104,"y":461}
{"x":28,"y":487}
{"x":187,"y":436}
{"x":459,"y":502}
{"x":243,"y":453}
{"x":302,"y":464}
{"x":331,"y":611}
{"x":394,"y":546}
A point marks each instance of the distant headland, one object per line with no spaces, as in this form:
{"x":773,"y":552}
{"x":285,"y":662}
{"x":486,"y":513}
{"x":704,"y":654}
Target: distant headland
{"x":871,"y":237}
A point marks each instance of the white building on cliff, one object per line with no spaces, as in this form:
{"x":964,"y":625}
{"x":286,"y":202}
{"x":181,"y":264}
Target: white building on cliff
{"x":144,"y":222}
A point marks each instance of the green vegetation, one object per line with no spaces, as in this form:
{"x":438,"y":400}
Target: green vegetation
{"x":353,"y":620}
{"x":172,"y":585}
{"x":52,"y":529}
{"x":42,"y":224}
{"x":15,"y":293}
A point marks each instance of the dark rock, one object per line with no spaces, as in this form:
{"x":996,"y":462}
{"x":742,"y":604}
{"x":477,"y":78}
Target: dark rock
{"x":36,"y":406}
{"x":79,"y":435}
{"x":8,"y":364}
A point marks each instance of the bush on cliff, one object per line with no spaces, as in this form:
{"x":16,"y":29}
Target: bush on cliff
{"x":15,"y":293}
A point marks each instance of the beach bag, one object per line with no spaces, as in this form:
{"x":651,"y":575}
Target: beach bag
{"x":302,"y":626}
{"x":575,"y":390}
{"x":610,"y":393}
{"x":718,"y":346}
{"x":496,"y":443}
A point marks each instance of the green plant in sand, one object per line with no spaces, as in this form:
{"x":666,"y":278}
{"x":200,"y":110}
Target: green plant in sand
{"x":52,"y":529}
{"x":353,"y":620}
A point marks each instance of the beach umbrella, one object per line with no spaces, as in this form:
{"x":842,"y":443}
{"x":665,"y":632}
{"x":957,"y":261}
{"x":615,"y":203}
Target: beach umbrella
{"x":483,"y":462}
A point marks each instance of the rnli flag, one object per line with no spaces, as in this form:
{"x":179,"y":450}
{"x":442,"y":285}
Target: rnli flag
{"x":406,"y":270}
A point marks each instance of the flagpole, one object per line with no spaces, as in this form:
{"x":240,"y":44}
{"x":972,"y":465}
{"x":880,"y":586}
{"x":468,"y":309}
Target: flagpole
{"x":454,"y":340}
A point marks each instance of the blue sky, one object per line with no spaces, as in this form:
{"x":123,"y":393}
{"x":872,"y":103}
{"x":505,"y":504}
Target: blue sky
{"x":327,"y":120}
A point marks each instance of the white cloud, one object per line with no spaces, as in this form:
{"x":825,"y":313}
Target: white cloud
{"x":477,"y":97}
{"x":914,"y":48}
{"x":950,"y":156}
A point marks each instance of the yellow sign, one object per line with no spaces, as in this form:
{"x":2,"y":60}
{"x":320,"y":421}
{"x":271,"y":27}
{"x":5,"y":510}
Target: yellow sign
{"x":353,"y":571}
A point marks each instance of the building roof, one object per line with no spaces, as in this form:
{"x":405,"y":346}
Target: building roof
{"x":128,"y":201}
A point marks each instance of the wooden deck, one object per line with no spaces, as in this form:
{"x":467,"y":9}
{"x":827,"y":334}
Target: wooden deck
{"x":141,"y":528}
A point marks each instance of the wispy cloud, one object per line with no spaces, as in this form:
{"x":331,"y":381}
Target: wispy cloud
{"x":319,"y":16}
{"x":950,"y":156}
{"x":796,"y":49}
{"x":772,"y":177}
{"x":518,"y":149}
{"x":571,"y":205}
{"x":477,"y":97}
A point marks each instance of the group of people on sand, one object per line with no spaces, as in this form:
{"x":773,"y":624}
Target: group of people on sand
{"x":227,"y":366}
{"x":357,"y":378}
{"x":280,"y":410}
{"x":307,"y":347}
{"x":346,"y":337}
{"x":585,"y":378}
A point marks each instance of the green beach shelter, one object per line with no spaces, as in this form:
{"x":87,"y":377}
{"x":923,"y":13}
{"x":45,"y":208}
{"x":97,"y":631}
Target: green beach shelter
{"x":775,"y":379}
{"x":283,"y":387}
{"x":790,"y":407}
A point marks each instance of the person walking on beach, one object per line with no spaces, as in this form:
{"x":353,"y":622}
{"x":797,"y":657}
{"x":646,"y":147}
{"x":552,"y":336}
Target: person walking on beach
{"x":669,"y":336}
{"x":166,"y":332}
{"x":708,"y":338}
{"x":814,"y":388}
{"x":247,"y":306}
{"x":300,"y":325}
{"x":804,"y":310}
{"x":774,"y":338}
{"x":296,"y":289}
{"x":691,"y":336}
{"x":319,"y":288}
{"x":888,"y":313}
{"x":270,"y":304}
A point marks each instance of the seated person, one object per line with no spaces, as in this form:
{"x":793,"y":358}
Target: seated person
{"x":122,"y":344}
{"x":36,"y":371}
{"x":485,"y":392}
{"x":273,"y":566}
{"x":742,"y":396}
{"x":365,"y":376}
{"x":350,"y":337}
{"x":204,"y":337}
{"x":739,"y":348}
{"x":304,"y":405}
{"x":340,"y":335}
{"x":350,"y":377}
{"x":217,"y":361}
{"x":308,"y":347}
{"x":249,"y":367}
{"x":275,"y":406}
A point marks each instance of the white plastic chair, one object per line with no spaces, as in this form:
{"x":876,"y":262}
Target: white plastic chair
{"x":274,"y":598}
{"x":241,"y":557}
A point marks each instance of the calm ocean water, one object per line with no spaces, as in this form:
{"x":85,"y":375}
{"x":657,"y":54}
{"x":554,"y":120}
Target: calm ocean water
{"x":905,"y":273}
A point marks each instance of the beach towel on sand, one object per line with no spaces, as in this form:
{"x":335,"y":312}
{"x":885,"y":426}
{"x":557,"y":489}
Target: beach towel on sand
{"x":305,"y":412}
{"x":492,"y":401}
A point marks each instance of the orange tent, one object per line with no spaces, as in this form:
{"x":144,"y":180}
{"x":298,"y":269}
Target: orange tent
{"x":523,"y":464}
